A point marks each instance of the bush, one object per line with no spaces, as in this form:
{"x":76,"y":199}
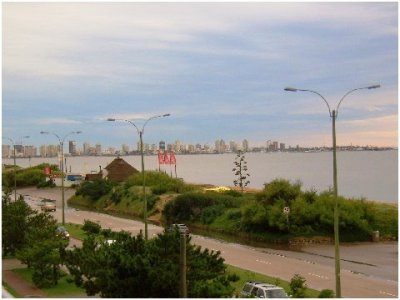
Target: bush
{"x":192,"y":206}
{"x":326,"y":294}
{"x":297,"y":286}
{"x":160,"y":183}
{"x":279,"y":189}
{"x":45,"y":184}
{"x":94,"y":189}
{"x":91,"y":227}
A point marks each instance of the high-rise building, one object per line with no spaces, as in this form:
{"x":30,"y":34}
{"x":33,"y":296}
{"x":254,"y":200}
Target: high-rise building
{"x":6,"y":151}
{"x":86,"y":148}
{"x":161,"y":145}
{"x":177,"y":146}
{"x":72,"y":148}
{"x":233,"y":146}
{"x":245,"y":145}
{"x":125,"y":149}
{"x":30,"y":151}
{"x":275,"y":146}
{"x":98,"y":149}
{"x":220,"y":146}
{"x":282,"y":146}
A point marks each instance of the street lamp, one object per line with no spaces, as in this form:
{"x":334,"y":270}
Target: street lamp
{"x":61,"y":141}
{"x":140,"y":133}
{"x":15,"y":165}
{"x":333,"y":114}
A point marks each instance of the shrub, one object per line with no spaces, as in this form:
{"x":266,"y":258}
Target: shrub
{"x":45,"y":184}
{"x":326,"y":294}
{"x":191,"y":206}
{"x":279,"y":189}
{"x":160,"y":183}
{"x":94,"y":189}
{"x":297,"y":286}
{"x":91,"y":227}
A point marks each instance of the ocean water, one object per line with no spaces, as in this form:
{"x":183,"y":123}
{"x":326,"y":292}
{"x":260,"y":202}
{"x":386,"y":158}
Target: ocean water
{"x":369,"y":174}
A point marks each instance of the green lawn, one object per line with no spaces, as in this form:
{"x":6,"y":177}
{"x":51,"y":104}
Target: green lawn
{"x":75,"y":231}
{"x":246,"y":275}
{"x":62,"y":289}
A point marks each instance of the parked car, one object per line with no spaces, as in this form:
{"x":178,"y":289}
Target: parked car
{"x":262,"y":290}
{"x":182,"y":228}
{"x":62,"y":232}
{"x":48,"y":205}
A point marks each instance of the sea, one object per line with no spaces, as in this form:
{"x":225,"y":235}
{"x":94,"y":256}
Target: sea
{"x":372,"y":175}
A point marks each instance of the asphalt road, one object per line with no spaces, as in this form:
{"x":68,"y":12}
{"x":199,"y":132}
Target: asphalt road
{"x":369,"y":270}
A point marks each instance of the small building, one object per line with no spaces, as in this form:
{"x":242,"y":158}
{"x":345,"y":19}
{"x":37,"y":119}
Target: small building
{"x":119,"y":170}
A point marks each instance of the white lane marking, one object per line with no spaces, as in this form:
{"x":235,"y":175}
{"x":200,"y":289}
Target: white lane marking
{"x":263,"y":261}
{"x":319,"y":276}
{"x":386,"y":293}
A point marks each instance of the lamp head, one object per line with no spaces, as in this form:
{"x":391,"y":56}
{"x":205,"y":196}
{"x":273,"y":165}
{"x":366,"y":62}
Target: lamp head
{"x":290,"y":89}
{"x":374,"y":86}
{"x":166,"y":115}
{"x":44,"y":132}
{"x":111,"y":119}
{"x":78,"y":132}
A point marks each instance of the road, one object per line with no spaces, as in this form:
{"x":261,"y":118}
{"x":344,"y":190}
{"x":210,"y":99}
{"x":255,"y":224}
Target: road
{"x":369,"y":270}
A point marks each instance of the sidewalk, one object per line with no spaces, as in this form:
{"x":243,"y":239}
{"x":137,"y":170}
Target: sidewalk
{"x":22,"y":287}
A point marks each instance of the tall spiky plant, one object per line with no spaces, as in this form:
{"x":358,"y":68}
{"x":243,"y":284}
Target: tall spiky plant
{"x":240,"y":170}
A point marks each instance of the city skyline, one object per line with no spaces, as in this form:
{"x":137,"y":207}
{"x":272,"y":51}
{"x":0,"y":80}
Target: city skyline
{"x":178,"y":147}
{"x":220,"y":69}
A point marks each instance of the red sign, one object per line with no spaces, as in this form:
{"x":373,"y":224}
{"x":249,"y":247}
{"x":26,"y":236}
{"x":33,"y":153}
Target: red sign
{"x":161,"y":158}
{"x":166,"y":158}
{"x":172,"y":159}
{"x":47,"y":171}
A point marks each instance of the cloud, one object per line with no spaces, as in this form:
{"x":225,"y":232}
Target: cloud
{"x":56,"y":121}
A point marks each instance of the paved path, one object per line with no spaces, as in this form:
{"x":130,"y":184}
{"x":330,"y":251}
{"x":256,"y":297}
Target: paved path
{"x":22,"y":287}
{"x":364,"y":267}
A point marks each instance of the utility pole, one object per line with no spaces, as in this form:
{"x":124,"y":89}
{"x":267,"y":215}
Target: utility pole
{"x":182,"y":265}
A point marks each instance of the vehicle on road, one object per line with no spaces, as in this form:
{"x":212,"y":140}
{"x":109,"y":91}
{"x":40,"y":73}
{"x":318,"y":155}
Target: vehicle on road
{"x":62,"y":232}
{"x":262,"y":290}
{"x":182,"y":228}
{"x":48,"y":205}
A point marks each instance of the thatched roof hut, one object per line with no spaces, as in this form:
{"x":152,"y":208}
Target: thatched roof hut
{"x":119,"y":170}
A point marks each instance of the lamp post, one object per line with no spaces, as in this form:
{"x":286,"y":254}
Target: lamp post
{"x":333,"y":114}
{"x":15,"y":164}
{"x":61,"y":141}
{"x":140,"y":133}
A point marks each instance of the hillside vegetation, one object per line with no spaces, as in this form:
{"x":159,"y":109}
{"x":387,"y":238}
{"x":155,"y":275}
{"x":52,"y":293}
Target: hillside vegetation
{"x":256,"y":215}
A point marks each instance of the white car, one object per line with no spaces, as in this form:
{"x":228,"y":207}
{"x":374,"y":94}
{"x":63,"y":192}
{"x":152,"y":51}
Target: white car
{"x":182,"y":228}
{"x":262,"y":290}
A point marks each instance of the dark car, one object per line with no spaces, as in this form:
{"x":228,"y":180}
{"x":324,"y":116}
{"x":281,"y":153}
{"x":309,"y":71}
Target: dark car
{"x":62,"y":232}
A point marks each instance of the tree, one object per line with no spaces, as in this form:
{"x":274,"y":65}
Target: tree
{"x":132,"y":267}
{"x":42,"y":249}
{"x":240,"y":170}
{"x":15,"y":223}
{"x":297,"y":286}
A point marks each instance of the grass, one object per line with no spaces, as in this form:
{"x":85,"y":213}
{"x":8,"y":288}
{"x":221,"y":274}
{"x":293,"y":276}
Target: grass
{"x":246,"y":275}
{"x":75,"y":230}
{"x":62,"y":289}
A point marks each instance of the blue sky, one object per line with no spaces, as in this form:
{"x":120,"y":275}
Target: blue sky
{"x":220,"y":69}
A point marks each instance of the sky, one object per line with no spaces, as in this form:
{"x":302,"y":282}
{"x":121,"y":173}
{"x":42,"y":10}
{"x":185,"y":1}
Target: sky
{"x":219,"y":69}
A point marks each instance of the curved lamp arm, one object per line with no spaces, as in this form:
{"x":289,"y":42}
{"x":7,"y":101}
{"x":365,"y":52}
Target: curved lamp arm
{"x":362,"y":88}
{"x":290,"y":89}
